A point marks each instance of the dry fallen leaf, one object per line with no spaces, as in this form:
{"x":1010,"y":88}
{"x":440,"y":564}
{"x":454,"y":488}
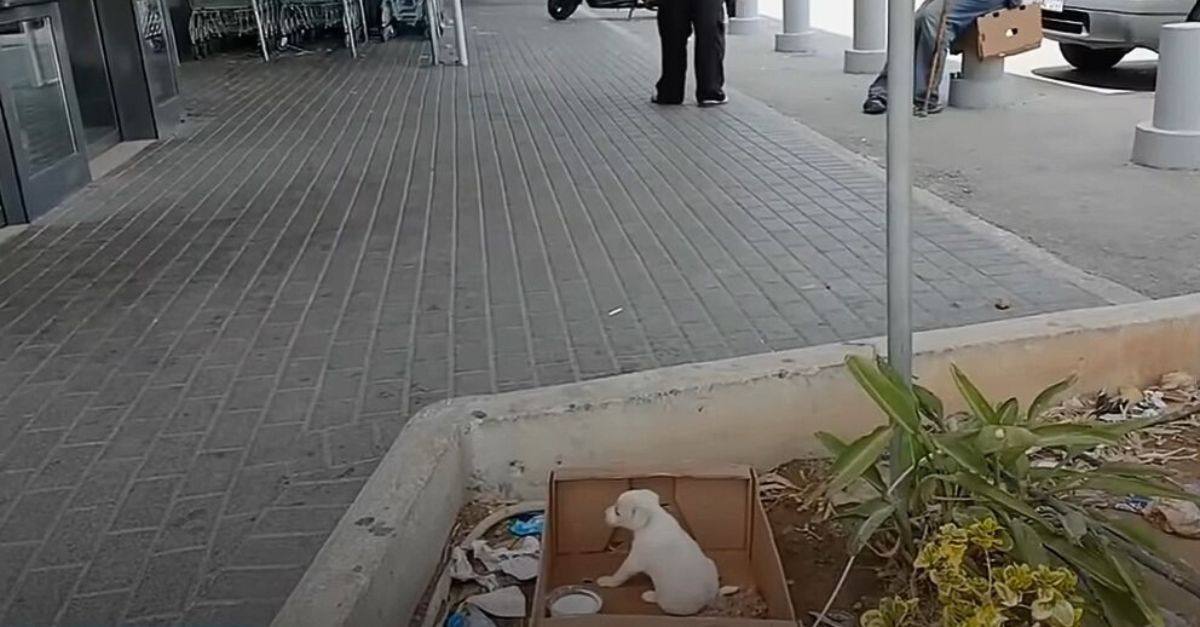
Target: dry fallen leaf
{"x":1176,"y":380}
{"x":1130,"y":394}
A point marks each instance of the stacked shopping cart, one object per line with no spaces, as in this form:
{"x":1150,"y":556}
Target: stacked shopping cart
{"x":278,"y":23}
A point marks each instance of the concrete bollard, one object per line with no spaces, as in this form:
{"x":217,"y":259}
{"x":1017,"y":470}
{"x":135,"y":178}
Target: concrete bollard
{"x":982,"y":84}
{"x":869,"y":51}
{"x":1172,"y":139}
{"x":797,"y":35}
{"x":747,"y":21}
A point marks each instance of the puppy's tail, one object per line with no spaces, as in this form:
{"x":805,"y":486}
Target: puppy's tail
{"x":729,"y":590}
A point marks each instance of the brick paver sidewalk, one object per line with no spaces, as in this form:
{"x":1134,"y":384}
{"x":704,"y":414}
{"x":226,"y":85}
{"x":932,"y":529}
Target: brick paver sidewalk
{"x":205,"y":354}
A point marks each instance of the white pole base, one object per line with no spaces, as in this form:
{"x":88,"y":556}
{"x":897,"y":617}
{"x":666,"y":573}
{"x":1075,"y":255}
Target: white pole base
{"x":798,"y":43}
{"x":1167,"y":150}
{"x":1171,"y":141}
{"x":864,"y":61}
{"x":744,"y":25}
{"x":981,"y":85}
{"x":966,"y":93}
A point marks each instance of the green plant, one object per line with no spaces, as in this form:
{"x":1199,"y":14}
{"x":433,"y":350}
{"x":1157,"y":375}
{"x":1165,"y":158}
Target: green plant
{"x":976,"y":465}
{"x":977,"y":585}
{"x":892,"y":612}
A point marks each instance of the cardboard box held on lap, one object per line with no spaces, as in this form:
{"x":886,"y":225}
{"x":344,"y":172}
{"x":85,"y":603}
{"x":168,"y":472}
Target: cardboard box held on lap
{"x":1007,"y":32}
{"x":718,"y":506}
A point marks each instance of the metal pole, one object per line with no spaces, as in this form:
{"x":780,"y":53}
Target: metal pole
{"x":362,"y":15}
{"x":348,"y":26}
{"x":899,"y":200}
{"x":433,"y":17}
{"x":262,"y":37}
{"x":899,"y":185}
{"x":460,"y":32}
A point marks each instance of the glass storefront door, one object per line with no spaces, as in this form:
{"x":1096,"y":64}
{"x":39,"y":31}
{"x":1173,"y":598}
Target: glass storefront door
{"x":158,"y":50}
{"x":39,"y":107}
{"x":90,"y":69}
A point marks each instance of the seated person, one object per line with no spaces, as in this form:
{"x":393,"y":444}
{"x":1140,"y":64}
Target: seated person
{"x":961,"y":17}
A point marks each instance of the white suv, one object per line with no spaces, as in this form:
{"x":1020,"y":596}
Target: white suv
{"x":1097,"y":34}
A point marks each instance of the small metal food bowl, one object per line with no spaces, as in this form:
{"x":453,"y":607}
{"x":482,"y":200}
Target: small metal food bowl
{"x":573,"y":601}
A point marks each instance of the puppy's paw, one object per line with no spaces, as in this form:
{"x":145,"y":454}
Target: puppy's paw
{"x":607,"y":582}
{"x":649,"y":596}
{"x":729,"y":590}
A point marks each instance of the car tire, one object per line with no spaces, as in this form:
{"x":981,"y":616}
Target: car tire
{"x":1092,"y":59}
{"x":561,"y":9}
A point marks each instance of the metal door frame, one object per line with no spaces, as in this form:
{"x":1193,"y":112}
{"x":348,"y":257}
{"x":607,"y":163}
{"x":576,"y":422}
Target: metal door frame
{"x":166,"y":114}
{"x":12,"y":207}
{"x":42,"y":192}
{"x":117,"y":134}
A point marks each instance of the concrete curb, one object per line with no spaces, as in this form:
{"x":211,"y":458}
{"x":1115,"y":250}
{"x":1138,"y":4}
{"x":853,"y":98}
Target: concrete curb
{"x":388,"y":544}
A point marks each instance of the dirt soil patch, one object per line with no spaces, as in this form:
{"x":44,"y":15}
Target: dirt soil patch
{"x":813,"y":548}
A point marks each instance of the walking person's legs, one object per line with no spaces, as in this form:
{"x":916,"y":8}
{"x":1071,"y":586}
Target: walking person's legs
{"x":708,"y":21}
{"x":674,"y":27}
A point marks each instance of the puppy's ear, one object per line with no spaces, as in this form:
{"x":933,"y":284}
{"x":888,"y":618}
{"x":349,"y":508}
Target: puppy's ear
{"x":639,"y":516}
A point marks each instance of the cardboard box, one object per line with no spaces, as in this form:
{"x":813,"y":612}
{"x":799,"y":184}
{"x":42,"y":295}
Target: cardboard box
{"x":718,"y":506}
{"x":1009,"y":31}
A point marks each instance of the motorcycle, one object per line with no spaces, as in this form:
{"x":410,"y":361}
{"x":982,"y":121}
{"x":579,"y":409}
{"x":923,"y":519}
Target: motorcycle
{"x":562,"y":9}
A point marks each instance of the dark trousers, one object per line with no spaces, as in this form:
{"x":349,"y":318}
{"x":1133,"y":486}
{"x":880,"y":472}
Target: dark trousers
{"x":677,"y":20}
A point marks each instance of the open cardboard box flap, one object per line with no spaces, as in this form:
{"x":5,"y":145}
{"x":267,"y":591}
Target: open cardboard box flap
{"x":718,"y":505}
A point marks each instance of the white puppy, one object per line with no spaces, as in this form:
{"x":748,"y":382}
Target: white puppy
{"x":685,"y":579}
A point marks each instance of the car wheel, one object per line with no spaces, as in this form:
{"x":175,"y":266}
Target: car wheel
{"x":1092,"y":59}
{"x":561,"y":9}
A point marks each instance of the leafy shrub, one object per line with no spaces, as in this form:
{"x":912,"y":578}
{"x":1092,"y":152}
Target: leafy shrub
{"x":978,"y":586}
{"x":949,"y":469}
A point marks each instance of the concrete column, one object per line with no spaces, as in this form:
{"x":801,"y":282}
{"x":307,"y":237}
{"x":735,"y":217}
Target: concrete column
{"x":747,"y":21}
{"x":982,"y":84}
{"x":1172,"y":138}
{"x":797,"y":35}
{"x":869,"y":51}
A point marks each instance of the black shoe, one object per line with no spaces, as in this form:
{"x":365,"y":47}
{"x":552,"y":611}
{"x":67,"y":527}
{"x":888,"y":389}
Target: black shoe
{"x":934,"y":108}
{"x":714,"y":101}
{"x":659,"y":101}
{"x":875,"y":105}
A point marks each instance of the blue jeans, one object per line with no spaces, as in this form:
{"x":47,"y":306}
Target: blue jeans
{"x":963,"y":14}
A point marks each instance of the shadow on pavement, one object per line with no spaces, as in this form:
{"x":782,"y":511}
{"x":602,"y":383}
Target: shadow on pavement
{"x":1132,"y":76}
